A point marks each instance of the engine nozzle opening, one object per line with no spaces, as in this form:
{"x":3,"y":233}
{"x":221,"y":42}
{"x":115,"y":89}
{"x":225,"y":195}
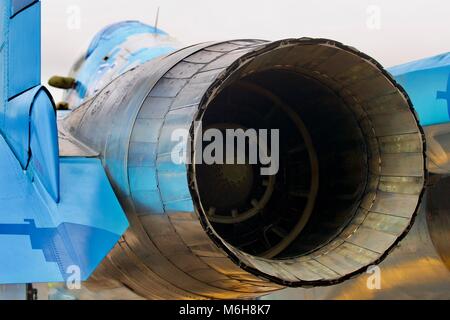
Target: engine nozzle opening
{"x":350,"y":162}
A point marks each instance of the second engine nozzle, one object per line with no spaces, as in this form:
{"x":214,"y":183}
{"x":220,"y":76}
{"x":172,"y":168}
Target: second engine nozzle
{"x":350,"y":179}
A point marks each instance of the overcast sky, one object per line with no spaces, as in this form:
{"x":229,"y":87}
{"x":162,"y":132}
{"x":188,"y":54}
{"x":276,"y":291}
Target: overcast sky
{"x":391,"y":31}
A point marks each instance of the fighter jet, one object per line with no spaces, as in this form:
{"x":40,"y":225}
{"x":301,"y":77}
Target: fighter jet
{"x":89,"y":186}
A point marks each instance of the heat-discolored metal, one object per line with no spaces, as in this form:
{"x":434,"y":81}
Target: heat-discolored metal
{"x":172,"y":249}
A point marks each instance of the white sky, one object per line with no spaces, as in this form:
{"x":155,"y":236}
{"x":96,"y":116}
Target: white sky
{"x":391,"y":31}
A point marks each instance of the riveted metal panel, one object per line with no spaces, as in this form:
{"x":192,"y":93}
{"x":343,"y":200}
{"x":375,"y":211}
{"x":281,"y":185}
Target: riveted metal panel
{"x":395,"y":204}
{"x":24,"y":56}
{"x":165,"y":92}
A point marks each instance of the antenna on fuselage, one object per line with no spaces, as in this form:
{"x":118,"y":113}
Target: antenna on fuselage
{"x":157,"y":19}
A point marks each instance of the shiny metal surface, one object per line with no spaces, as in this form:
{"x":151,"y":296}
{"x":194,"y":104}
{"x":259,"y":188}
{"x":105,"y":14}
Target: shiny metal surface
{"x":438,"y":141}
{"x":391,"y":210}
{"x":438,"y":218}
{"x":172,"y":258}
{"x":171,"y":249}
{"x":417,"y":269}
{"x":353,"y":168}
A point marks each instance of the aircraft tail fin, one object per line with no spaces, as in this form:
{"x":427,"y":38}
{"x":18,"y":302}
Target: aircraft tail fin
{"x":58,"y":216}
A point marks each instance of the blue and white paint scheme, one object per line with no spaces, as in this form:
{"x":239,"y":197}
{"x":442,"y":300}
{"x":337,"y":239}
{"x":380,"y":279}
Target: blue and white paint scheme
{"x":427,"y":82}
{"x":57,"y":215}
{"x":115,"y":50}
{"x":56,"y":212}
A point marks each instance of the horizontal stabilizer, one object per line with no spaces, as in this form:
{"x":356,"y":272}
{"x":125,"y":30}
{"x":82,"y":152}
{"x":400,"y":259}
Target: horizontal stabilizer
{"x":45,"y":241}
{"x":59,"y":217}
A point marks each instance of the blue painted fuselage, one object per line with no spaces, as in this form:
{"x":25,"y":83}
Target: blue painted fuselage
{"x":427,"y":82}
{"x":115,"y":50}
